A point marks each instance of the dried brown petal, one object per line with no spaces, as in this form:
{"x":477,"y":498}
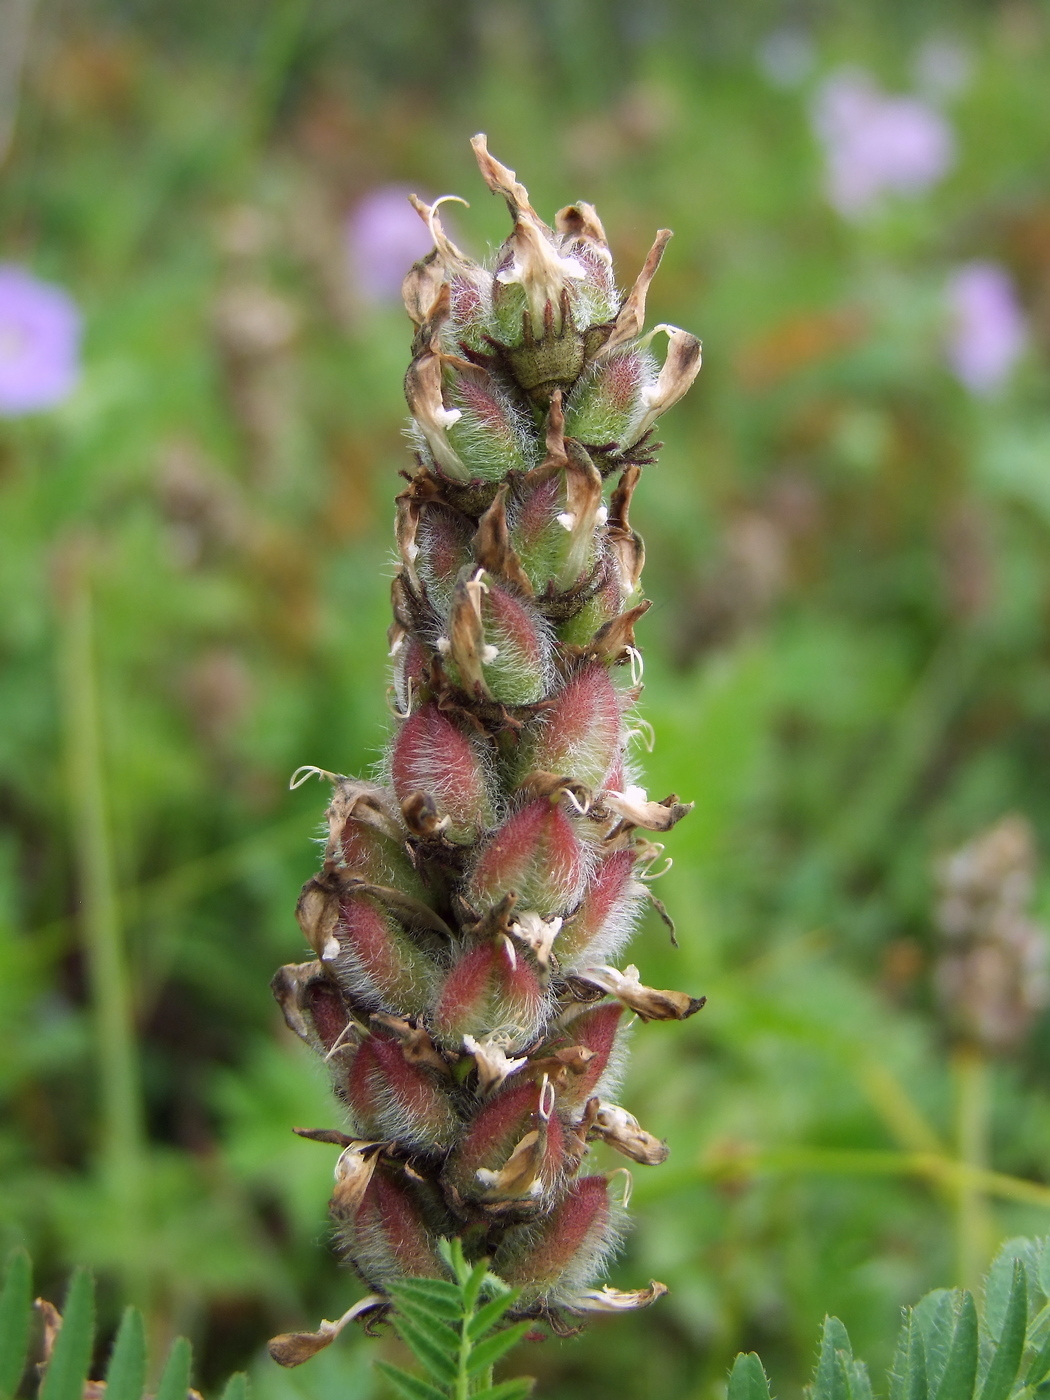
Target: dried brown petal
{"x":631,"y":319}
{"x":613,"y":1300}
{"x":635,"y":809}
{"x":620,"y":1129}
{"x":293,"y":1348}
{"x":646,"y":1002}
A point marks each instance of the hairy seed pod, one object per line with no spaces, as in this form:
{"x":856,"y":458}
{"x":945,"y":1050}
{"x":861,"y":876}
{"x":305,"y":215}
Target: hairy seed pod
{"x":472,"y":905}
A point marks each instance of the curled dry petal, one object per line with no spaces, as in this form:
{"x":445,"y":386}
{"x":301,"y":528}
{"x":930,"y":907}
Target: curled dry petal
{"x":614,"y":1300}
{"x":353,"y":1172}
{"x":538,"y":265}
{"x":293,"y":1348}
{"x":493,"y":1063}
{"x":646,"y":1002}
{"x":520,"y":1176}
{"x":416,"y":1045}
{"x":628,"y":324}
{"x":634,"y":808}
{"x":620,"y":1129}
{"x":465,"y":643}
{"x":625,"y":543}
{"x":680,"y":368}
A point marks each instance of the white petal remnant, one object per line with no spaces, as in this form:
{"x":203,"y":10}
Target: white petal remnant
{"x":493,"y":1063}
{"x":537,"y":933}
{"x":635,"y":809}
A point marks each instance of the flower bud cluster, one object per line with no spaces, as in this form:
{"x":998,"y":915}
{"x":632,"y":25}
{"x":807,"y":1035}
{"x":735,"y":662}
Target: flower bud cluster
{"x":473,"y":901}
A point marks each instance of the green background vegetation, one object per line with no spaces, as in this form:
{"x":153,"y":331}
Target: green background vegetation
{"x":848,"y":660}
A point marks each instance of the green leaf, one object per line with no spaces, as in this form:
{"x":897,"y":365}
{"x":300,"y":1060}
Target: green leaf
{"x":1042,"y":1266}
{"x":830,"y":1380}
{"x":68,"y":1368}
{"x":935,"y":1317}
{"x":488,"y":1352}
{"x":1040,"y":1365}
{"x":908,"y":1373}
{"x":1007,"y":1359}
{"x":489,"y":1315}
{"x":439,"y":1333}
{"x":998,"y":1286}
{"x":16,"y":1304}
{"x":507,"y":1390}
{"x":452,"y":1253}
{"x":472,"y":1287}
{"x":747,"y":1379}
{"x":858,"y":1382}
{"x":175,"y":1380}
{"x":236,"y":1387}
{"x":432,"y":1355}
{"x":126,"y":1373}
{"x":960,"y":1369}
{"x":443,"y":1299}
{"x":411,"y":1387}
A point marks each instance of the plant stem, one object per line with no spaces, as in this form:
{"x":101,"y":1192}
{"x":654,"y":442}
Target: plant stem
{"x":121,"y":1136}
{"x":972,"y":1222}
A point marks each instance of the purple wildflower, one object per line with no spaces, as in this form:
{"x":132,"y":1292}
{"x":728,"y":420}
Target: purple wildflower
{"x":39,"y":342}
{"x":384,"y":236}
{"x":987,"y":326}
{"x":876,"y":144}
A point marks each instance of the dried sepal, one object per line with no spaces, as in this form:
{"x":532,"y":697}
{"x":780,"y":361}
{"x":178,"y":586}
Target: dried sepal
{"x":353,"y":1172}
{"x":625,"y":544}
{"x":493,"y":551}
{"x":646,"y":1002}
{"x":676,"y":376}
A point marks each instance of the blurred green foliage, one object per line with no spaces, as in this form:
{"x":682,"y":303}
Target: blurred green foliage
{"x":848,"y":663}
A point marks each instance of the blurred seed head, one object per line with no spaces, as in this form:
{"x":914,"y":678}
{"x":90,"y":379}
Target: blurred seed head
{"x":991,"y":977}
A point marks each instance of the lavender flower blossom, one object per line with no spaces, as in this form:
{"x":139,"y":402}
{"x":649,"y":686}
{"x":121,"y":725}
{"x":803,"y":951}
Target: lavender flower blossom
{"x":384,"y":235}
{"x":875,"y":144}
{"x":39,"y":342}
{"x":987,"y":327}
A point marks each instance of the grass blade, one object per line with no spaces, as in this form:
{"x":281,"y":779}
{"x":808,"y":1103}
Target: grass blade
{"x":16,"y":1307}
{"x":126,"y":1374}
{"x":68,"y":1368}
